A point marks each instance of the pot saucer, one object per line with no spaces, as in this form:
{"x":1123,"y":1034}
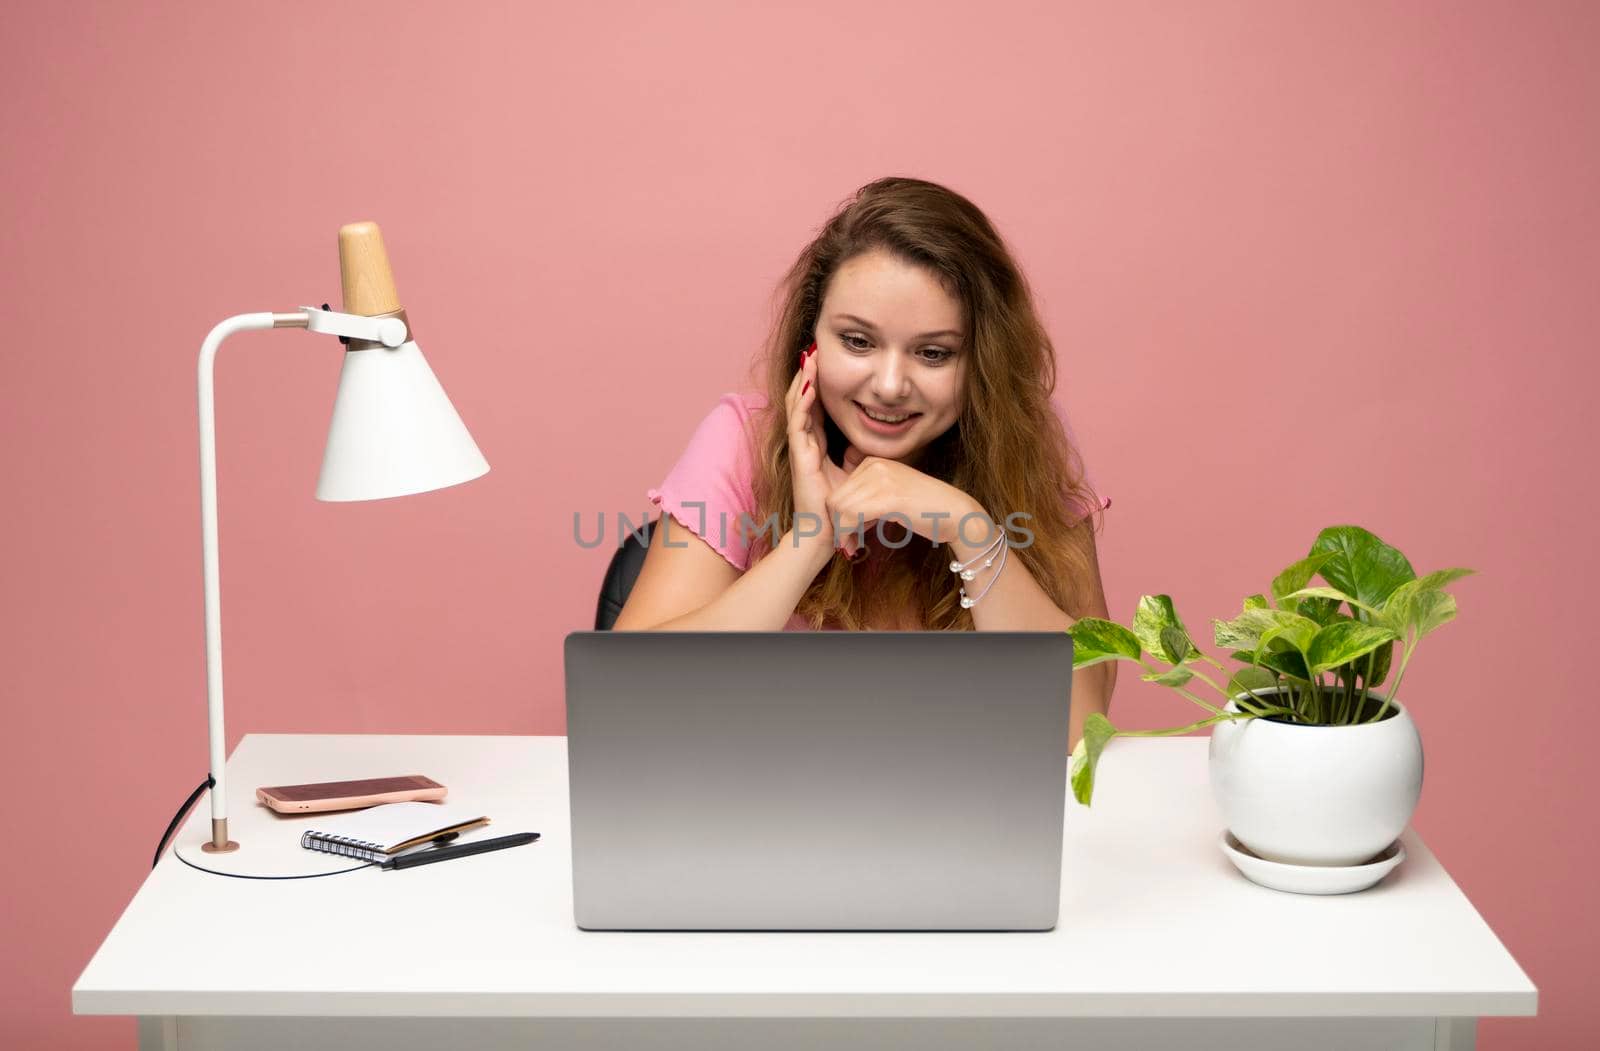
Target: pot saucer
{"x":1311,"y":879}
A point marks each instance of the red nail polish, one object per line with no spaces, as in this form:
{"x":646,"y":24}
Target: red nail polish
{"x":805,"y":386}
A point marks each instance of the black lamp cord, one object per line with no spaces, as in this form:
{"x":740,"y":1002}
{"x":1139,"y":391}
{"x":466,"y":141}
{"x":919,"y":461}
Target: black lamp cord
{"x":211,"y":782}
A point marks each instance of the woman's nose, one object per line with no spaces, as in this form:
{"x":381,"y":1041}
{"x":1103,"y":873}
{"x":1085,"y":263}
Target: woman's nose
{"x":889,"y":382}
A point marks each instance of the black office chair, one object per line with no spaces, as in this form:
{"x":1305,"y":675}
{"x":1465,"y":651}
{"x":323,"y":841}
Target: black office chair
{"x":621,"y":574}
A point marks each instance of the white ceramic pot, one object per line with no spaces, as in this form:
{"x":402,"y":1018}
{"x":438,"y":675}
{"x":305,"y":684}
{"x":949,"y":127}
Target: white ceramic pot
{"x":1317,"y":795}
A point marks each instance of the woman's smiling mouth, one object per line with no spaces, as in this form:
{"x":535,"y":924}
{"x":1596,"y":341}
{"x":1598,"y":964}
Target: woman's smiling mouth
{"x":884,"y":423}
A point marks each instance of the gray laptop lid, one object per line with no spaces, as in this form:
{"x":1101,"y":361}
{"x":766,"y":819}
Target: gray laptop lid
{"x":817,"y":780}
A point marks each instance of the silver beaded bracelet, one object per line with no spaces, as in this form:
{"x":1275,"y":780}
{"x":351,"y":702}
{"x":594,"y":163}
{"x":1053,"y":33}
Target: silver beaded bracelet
{"x":965,"y":572}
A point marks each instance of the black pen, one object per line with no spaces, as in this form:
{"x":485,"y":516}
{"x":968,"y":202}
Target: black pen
{"x":425,"y":857}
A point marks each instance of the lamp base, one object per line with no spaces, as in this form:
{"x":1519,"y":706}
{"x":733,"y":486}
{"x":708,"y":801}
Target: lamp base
{"x":220,"y":843}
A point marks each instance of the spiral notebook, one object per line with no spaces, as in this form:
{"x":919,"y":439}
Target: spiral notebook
{"x":379,"y":833}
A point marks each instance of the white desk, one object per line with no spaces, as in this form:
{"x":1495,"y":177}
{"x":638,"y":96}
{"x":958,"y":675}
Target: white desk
{"x":1161,"y":943}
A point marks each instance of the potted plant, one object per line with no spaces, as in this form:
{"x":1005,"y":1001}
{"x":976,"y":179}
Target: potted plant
{"x":1309,"y":765}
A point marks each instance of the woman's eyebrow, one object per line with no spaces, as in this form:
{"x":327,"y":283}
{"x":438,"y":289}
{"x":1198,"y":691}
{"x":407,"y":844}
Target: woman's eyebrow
{"x":864,"y":323}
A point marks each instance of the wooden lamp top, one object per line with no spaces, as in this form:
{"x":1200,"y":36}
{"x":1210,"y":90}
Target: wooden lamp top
{"x":364,"y":271}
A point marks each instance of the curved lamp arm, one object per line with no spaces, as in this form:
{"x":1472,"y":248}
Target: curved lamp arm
{"x":208,"y":529}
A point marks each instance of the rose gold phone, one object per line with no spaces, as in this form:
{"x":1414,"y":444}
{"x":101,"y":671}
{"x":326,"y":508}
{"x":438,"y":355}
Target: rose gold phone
{"x":347,"y":795}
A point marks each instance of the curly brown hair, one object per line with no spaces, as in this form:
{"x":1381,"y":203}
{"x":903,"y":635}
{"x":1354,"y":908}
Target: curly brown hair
{"x":1008,"y":449}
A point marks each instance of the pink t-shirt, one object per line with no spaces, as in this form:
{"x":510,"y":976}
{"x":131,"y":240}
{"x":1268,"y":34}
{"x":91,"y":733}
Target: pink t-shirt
{"x":713,"y":482}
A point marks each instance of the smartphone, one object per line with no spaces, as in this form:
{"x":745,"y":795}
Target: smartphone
{"x":347,"y":795}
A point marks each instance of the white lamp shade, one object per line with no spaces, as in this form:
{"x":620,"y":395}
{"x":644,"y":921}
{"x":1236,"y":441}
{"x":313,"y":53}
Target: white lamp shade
{"x":394,"y":431}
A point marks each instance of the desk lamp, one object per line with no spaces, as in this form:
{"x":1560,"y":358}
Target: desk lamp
{"x":394,"y":433}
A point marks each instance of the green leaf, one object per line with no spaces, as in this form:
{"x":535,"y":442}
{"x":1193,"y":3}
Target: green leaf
{"x":1344,"y":642}
{"x":1246,"y":680}
{"x":1288,"y":662}
{"x":1382,"y":659}
{"x":1240,"y":632}
{"x":1171,"y":677}
{"x":1154,"y":615}
{"x":1322,"y":610}
{"x":1095,"y":640}
{"x":1362,"y":565}
{"x":1440,"y":577}
{"x":1175,"y":645}
{"x":1297,"y":629}
{"x":1297,"y":576}
{"x":1403,"y":611}
{"x":1256,"y":602}
{"x":1336,"y":595}
{"x":1097,"y":730}
{"x":1256,"y":628}
{"x":1430,"y":610}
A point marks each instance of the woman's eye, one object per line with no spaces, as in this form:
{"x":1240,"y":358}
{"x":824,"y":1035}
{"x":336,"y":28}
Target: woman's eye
{"x":932,"y":355}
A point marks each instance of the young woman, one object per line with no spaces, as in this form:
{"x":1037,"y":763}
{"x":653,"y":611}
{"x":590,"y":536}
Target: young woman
{"x":905,"y":470}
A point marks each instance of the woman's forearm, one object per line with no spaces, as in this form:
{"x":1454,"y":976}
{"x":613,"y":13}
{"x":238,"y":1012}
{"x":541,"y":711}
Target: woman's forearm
{"x":1012,"y":601}
{"x":764,"y":598}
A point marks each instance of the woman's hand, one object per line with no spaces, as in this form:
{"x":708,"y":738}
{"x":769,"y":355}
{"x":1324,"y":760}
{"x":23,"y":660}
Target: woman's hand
{"x":812,"y":474}
{"x":875,"y":487}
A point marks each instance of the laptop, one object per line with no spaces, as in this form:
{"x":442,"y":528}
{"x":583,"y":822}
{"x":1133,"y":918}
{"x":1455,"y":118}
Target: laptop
{"x":831,"y":780}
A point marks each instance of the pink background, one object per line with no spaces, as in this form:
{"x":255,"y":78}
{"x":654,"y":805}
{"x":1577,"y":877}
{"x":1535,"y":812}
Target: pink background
{"x":1305,"y":264}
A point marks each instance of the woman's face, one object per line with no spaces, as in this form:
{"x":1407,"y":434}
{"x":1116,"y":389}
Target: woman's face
{"x":890,"y":339}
